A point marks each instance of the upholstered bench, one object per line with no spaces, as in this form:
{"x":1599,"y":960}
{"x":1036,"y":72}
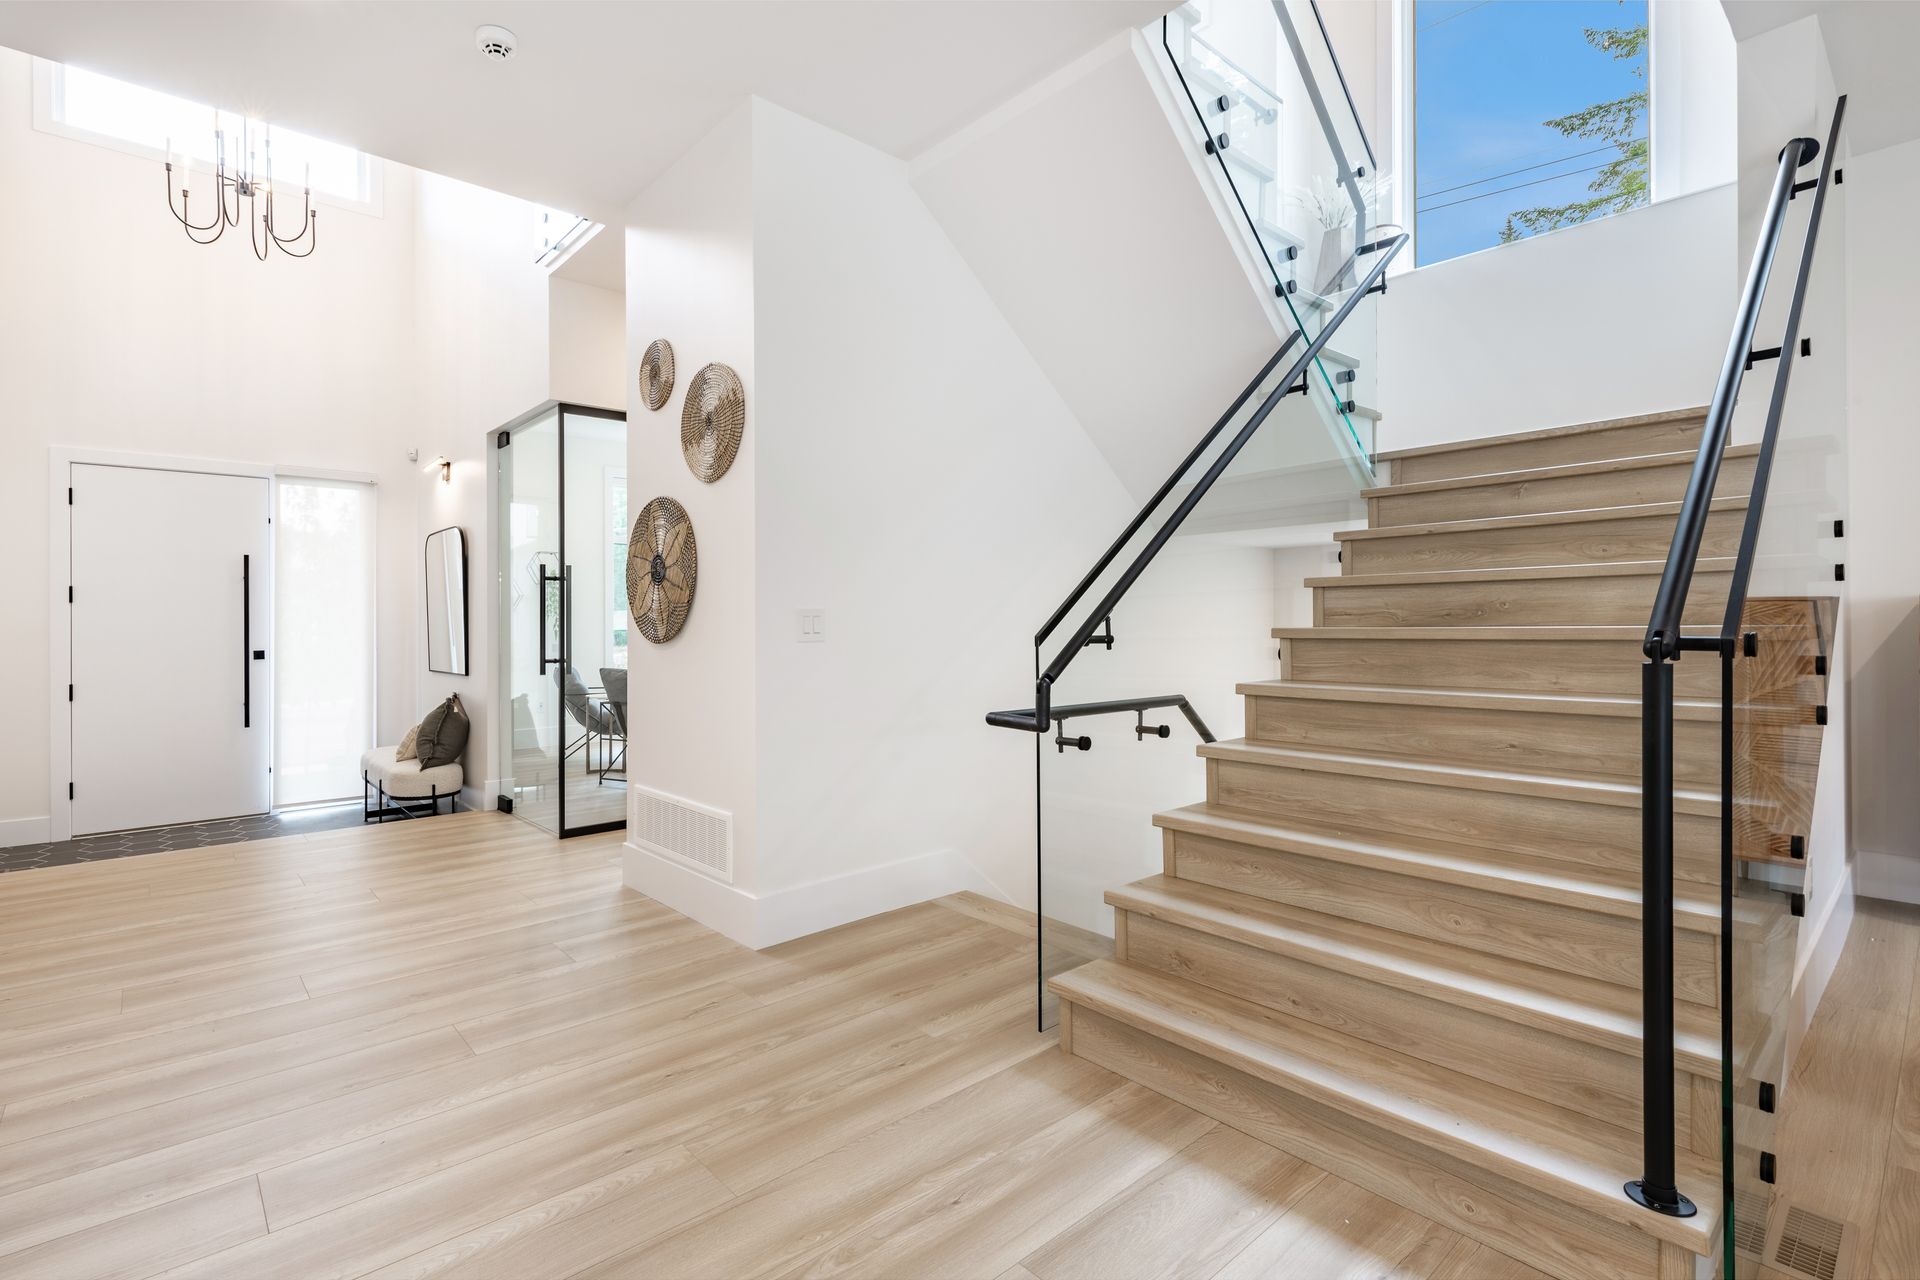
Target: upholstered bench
{"x":389,"y":778}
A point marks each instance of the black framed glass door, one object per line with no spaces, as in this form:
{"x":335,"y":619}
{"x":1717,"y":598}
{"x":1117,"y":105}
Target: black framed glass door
{"x":561,"y":547}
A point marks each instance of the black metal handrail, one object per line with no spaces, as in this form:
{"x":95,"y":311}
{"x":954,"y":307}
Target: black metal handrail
{"x":1665,"y":642}
{"x":1039,"y":718}
{"x":1118,"y":706}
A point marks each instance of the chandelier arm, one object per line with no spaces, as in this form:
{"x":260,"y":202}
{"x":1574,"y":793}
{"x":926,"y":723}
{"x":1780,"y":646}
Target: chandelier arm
{"x":233,"y":219}
{"x":259,"y":251}
{"x":180,"y":215}
{"x":312,"y":233}
{"x":306,"y":217}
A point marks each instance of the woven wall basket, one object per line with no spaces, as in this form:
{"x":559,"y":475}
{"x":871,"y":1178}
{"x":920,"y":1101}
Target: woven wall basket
{"x":711,"y":421}
{"x":656,"y":374}
{"x":662,"y":568}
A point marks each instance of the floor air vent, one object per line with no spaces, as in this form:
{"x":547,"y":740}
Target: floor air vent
{"x":684,"y":831}
{"x":1750,"y":1223}
{"x":1811,"y":1245}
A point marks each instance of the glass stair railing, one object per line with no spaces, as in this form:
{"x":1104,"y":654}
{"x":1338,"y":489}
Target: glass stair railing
{"x":1267,"y":104}
{"x":1182,"y":604}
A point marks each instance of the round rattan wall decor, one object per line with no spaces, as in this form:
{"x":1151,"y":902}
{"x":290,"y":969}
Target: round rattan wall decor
{"x":656,"y":374}
{"x":711,"y":420}
{"x":662,"y":567}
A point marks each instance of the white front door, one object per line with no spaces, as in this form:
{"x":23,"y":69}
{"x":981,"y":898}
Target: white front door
{"x":172,"y":596}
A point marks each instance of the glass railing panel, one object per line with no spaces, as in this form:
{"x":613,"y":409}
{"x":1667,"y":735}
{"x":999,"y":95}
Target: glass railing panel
{"x":1197,"y":623}
{"x":1789,"y":715}
{"x":1293,"y":166}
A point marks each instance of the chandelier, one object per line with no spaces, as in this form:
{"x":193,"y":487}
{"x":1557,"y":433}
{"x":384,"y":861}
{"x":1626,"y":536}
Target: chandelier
{"x":252,"y":181}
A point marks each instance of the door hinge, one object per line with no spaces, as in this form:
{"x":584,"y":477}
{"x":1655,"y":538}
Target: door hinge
{"x":69,"y":791}
{"x":502,"y":440}
{"x":69,"y":693}
{"x":69,"y":495}
{"x":69,"y":594}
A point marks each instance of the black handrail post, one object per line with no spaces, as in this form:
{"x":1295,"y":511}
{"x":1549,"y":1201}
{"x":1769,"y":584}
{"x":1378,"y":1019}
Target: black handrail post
{"x":1656,"y":1189}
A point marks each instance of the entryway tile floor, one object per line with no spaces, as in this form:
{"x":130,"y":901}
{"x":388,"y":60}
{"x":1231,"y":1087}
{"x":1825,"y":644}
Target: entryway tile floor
{"x":192,"y":835}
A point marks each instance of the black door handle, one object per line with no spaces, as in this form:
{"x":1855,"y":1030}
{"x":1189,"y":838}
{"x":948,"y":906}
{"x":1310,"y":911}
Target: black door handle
{"x":545,"y":578}
{"x":246,"y":642}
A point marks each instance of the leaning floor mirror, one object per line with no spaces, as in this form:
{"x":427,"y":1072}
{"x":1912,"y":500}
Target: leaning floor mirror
{"x":447,"y":602}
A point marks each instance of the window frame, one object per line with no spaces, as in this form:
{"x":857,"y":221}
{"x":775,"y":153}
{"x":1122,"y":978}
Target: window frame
{"x":48,"y":86}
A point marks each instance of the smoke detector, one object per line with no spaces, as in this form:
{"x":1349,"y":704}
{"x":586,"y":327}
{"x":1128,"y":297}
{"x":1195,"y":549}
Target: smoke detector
{"x":495,"y":43}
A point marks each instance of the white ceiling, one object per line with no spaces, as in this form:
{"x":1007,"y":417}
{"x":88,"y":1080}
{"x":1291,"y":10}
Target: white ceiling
{"x":1870,"y":44}
{"x":601,"y":97}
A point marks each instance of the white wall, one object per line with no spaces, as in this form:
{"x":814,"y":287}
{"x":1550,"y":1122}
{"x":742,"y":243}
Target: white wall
{"x":480,"y":332}
{"x":1624,"y":315}
{"x":1883,"y":571}
{"x":690,"y":280}
{"x":119,"y":334}
{"x":1691,"y":79}
{"x":587,"y":343}
{"x":893,"y":420}
{"x":903,"y":431}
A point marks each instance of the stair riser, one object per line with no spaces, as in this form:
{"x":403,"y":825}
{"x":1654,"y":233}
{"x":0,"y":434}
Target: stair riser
{"x":1619,"y":488}
{"x":1580,"y":1076}
{"x":1575,"y":542}
{"x":1623,"y":600}
{"x":1547,"y":934}
{"x":1508,"y":666}
{"x":1575,"y":834}
{"x":1484,"y":738}
{"x":1554,"y":451}
{"x":1523,"y":1224}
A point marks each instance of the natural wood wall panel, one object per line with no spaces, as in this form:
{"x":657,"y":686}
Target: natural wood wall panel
{"x":1628,"y":534}
{"x":1552,"y":447}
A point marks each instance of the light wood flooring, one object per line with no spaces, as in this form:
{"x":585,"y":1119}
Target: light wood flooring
{"x":456,"y":1047}
{"x":1850,"y":1119}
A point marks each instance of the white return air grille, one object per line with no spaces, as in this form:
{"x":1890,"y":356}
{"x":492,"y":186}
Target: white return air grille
{"x":685,"y":831}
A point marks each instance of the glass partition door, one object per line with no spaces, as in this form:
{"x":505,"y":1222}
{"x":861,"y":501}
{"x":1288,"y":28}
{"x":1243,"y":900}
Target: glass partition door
{"x":560,"y":538}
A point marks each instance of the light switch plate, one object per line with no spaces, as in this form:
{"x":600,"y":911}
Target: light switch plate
{"x":813,"y":626}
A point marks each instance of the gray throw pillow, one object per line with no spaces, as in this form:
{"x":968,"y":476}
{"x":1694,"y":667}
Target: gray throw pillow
{"x":443,"y":734}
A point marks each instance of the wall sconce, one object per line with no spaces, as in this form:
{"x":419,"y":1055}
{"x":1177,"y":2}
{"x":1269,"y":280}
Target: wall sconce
{"x":444,"y":466}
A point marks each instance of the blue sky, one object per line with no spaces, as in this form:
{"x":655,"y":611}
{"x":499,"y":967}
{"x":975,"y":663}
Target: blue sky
{"x":1487,"y":73}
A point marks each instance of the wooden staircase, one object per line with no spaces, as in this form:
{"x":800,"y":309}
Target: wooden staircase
{"x":1401,"y":936}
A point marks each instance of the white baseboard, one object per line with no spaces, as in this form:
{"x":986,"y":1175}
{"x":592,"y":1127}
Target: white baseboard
{"x":763,"y":920}
{"x":1828,"y":938}
{"x":485,"y":796}
{"x":19,"y":831}
{"x":1892,"y":876}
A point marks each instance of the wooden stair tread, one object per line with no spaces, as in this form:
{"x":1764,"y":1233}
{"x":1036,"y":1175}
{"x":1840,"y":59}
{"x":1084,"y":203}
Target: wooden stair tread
{"x":1568,"y":1156}
{"x":1581,"y":790}
{"x":1607,"y":466}
{"x":1546,"y":433}
{"x":1441,"y":577}
{"x":1528,"y":521}
{"x":1515,"y":875}
{"x":1585,"y":1009}
{"x":1596,"y":631}
{"x":1419,"y":695}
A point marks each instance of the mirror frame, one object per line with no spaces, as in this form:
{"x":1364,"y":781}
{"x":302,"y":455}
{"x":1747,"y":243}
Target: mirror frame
{"x":461,"y":665}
